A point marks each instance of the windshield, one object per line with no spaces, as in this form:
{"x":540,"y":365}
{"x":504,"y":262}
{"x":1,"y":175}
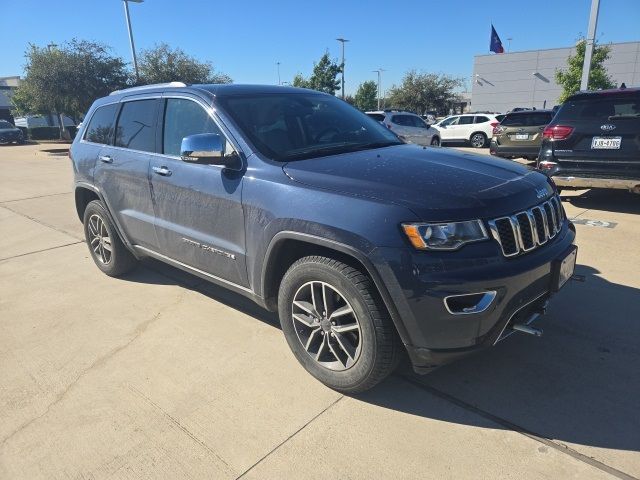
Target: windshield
{"x":5,"y":124}
{"x":527,"y":119}
{"x":295,"y":126}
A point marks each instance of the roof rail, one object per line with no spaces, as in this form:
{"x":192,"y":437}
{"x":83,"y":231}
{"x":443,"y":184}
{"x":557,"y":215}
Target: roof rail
{"x":146,"y":87}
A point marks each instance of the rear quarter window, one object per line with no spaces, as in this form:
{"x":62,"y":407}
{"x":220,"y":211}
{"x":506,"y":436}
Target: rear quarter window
{"x":100,"y":128}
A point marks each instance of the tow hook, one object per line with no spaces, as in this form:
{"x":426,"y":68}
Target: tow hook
{"x":536,"y":332}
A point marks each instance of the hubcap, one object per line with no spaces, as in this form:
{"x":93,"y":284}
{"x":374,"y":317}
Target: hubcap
{"x":326,"y":325}
{"x":478,"y":140}
{"x":99,"y":240}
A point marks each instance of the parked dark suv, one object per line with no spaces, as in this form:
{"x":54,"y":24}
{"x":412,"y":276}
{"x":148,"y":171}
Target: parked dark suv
{"x":594,"y":141}
{"x":302,"y":203}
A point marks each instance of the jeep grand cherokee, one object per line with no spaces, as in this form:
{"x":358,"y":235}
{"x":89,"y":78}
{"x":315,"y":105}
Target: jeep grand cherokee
{"x":364,"y":245}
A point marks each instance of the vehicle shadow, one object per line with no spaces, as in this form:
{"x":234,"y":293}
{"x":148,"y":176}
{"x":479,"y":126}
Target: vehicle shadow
{"x":608,"y":200}
{"x":158,"y":273}
{"x":578,"y":384}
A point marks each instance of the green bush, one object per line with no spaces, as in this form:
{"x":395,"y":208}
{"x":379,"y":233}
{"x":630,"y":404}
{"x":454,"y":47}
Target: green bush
{"x":44,"y":133}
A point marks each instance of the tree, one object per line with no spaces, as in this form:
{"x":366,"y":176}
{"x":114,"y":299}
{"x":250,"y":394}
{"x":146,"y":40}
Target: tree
{"x":67,"y":79}
{"x":366,"y":97}
{"x":571,"y":77}
{"x":420,"y":92}
{"x":323,"y":78}
{"x":162,"y":64}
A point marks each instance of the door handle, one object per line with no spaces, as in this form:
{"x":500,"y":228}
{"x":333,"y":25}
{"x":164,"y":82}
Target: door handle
{"x":105,"y":159}
{"x":164,"y":171}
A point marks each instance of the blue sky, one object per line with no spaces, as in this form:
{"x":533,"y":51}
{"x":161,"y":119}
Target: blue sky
{"x":245,"y":39}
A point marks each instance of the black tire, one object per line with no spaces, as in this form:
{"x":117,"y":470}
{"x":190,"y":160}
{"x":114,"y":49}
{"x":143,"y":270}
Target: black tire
{"x":478,"y":140}
{"x":119,"y":260}
{"x":379,"y":346}
{"x":435,"y":142}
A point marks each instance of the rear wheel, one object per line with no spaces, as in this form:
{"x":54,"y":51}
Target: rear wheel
{"x":435,"y":142}
{"x":107,"y":250}
{"x":478,"y":140}
{"x":336,"y":325}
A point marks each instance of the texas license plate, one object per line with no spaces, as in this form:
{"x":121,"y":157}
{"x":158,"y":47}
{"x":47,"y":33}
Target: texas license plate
{"x":606,"y":143}
{"x":522,"y":136}
{"x":563,"y":269}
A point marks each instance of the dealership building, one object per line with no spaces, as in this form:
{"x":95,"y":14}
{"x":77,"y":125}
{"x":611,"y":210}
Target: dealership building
{"x":501,"y":82}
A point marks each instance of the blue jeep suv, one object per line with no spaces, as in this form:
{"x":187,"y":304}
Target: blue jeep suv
{"x":367,"y":247}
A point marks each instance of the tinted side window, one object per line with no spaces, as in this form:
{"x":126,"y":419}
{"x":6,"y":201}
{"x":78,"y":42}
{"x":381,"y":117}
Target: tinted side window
{"x":403,"y":120}
{"x":136,"y":125}
{"x":465,"y":120}
{"x":418,"y":122}
{"x":183,"y":118}
{"x":481,"y":119}
{"x":449,"y":121}
{"x":376,"y":116}
{"x":100,"y":128}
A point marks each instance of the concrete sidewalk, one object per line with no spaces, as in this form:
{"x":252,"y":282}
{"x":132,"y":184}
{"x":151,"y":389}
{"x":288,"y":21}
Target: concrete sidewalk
{"x":160,"y":375}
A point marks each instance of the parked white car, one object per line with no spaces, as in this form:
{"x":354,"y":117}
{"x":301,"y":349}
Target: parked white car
{"x":408,"y":126}
{"x":473,"y":128}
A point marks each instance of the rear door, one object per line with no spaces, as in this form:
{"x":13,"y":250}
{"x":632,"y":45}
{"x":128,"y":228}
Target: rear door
{"x":122,"y":170}
{"x":606,"y":134}
{"x":401,"y":125}
{"x":199,"y":215}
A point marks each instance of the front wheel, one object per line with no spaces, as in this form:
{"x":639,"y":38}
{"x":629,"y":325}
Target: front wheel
{"x":478,"y":140}
{"x":336,"y":325}
{"x":435,"y":142}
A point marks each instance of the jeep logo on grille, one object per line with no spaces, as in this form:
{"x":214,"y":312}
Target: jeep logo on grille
{"x":607,"y":127}
{"x":541,"y":193}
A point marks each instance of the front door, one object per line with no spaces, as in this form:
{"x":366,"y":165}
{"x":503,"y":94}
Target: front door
{"x":199,"y":215}
{"x":447,"y":128}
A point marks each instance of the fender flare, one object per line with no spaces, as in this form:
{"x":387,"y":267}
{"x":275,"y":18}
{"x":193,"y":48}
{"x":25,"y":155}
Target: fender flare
{"x":345,"y":249}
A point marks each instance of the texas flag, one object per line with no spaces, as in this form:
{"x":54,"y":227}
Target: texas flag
{"x":496,"y":44}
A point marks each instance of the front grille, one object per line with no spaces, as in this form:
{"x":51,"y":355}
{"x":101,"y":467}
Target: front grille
{"x":524,"y":231}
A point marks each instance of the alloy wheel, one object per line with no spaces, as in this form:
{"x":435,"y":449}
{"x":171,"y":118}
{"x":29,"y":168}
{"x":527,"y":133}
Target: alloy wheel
{"x":477,"y":140}
{"x":326,"y":325}
{"x":99,"y":240}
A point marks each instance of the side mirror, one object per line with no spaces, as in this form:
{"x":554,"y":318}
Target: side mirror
{"x":208,"y":149}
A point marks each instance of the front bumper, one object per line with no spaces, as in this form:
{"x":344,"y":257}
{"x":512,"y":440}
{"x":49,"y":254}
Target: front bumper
{"x":419,"y":282}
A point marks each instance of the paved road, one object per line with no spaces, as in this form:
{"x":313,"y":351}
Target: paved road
{"x":159,"y":375}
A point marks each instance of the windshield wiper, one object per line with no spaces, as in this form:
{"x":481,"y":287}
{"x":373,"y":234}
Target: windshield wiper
{"x":624,"y":116}
{"x":346,"y":147}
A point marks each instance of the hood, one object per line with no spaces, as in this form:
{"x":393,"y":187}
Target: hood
{"x":435,"y":183}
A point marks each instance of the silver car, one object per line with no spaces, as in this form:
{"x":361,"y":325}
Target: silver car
{"x":408,"y":126}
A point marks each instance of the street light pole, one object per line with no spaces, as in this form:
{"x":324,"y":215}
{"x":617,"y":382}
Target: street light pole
{"x":591,"y":38}
{"x":278,"y":64}
{"x":343,"y":41}
{"x":133,"y":48}
{"x":379,"y":72}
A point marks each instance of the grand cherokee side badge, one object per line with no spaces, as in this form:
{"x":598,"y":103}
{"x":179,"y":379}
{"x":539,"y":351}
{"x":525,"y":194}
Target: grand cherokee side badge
{"x":607,"y":127}
{"x":209,"y":248}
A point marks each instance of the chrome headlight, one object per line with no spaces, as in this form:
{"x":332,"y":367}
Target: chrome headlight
{"x":444,"y":236}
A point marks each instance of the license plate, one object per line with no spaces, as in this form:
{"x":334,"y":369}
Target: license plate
{"x":606,"y":143}
{"x":521,"y":136}
{"x":564,"y":269}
